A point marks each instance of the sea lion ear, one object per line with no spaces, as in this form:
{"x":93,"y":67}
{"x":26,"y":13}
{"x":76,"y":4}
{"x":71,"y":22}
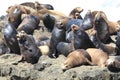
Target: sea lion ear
{"x":74,"y":27}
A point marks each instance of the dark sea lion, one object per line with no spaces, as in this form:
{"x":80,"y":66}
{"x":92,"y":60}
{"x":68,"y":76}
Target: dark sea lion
{"x":10,"y":33}
{"x":102,"y":28}
{"x":82,"y":40}
{"x":49,"y":21}
{"x":65,"y":48}
{"x":88,"y":21}
{"x":29,"y":50}
{"x":110,"y":50}
{"x":77,"y":58}
{"x":98,"y":57}
{"x":29,"y":24}
{"x":58,"y":35}
{"x":77,"y":22}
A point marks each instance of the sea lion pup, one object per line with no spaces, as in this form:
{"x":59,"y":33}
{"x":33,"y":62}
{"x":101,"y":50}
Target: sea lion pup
{"x":29,"y":24}
{"x":102,"y":28}
{"x":10,"y":33}
{"x":76,"y":58}
{"x":14,"y":16}
{"x":58,"y":35}
{"x":113,"y":64}
{"x":88,"y":21}
{"x":98,"y":57}
{"x":29,"y":50}
{"x":110,"y":50}
{"x":75,"y":13}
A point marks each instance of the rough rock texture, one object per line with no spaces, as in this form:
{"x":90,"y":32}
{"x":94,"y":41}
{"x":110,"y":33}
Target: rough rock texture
{"x":50,"y":69}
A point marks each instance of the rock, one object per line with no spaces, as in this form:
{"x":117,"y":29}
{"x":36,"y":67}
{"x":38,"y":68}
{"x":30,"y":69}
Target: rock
{"x":50,"y":69}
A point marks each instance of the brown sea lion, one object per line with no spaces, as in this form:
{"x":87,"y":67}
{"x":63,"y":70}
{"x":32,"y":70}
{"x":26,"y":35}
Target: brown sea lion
{"x":14,"y":16}
{"x":75,"y":58}
{"x":37,"y":5}
{"x":113,"y":26}
{"x":98,"y":57}
{"x":75,"y":13}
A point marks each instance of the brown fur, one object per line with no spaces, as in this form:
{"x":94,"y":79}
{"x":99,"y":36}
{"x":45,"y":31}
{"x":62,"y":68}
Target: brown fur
{"x":44,"y":49}
{"x":75,"y":13}
{"x":75,"y":58}
{"x":98,"y":56}
{"x":113,"y":26}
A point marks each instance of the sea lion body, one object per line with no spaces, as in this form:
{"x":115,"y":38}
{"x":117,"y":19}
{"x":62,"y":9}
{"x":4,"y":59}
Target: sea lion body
{"x":58,"y":35}
{"x":30,"y":51}
{"x":10,"y":33}
{"x":98,"y":57}
{"x":75,"y":58}
{"x":29,"y":24}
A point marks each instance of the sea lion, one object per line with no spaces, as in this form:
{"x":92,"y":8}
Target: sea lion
{"x":82,"y":40}
{"x":10,"y":33}
{"x":14,"y":16}
{"x":98,"y":57}
{"x":75,"y":13}
{"x":110,"y":50}
{"x":75,"y":58}
{"x":29,"y":50}
{"x":102,"y":27}
{"x":29,"y":24}
{"x":113,"y":63}
{"x":113,"y":26}
{"x":49,"y":21}
{"x":58,"y":35}
{"x":38,"y":5}
{"x":88,"y":21}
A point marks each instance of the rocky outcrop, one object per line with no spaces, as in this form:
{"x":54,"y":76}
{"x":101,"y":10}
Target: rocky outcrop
{"x":49,"y":69}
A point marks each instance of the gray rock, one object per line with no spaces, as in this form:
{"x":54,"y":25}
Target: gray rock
{"x":50,"y":69}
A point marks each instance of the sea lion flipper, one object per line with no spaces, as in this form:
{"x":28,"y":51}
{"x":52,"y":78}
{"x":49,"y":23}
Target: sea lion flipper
{"x":92,"y":64}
